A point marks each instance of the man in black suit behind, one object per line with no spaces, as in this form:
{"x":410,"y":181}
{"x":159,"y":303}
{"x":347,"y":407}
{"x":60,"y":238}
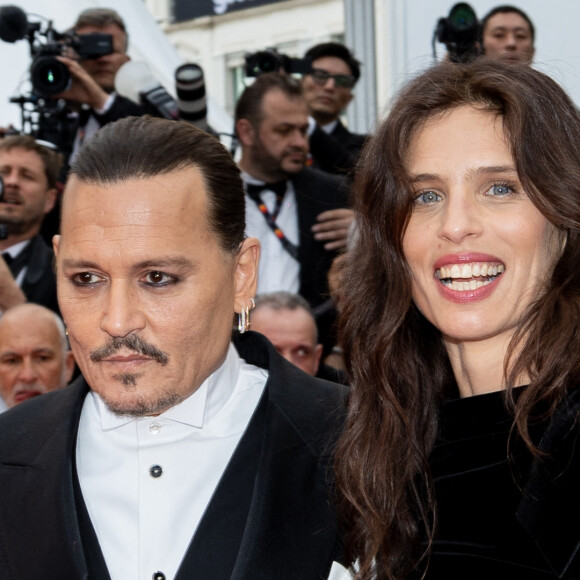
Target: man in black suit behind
{"x":176,"y":454}
{"x":29,"y":171}
{"x":299,"y":214}
{"x":328,"y":91}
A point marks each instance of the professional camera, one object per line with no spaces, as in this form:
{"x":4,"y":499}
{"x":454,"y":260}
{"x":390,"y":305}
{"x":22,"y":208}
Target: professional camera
{"x":48,"y":75}
{"x":44,"y":116}
{"x":271,"y":60}
{"x":460,"y":33}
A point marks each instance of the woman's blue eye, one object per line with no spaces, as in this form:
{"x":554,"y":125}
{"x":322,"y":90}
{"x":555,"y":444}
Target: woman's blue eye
{"x":500,"y":189}
{"x":428,"y":197}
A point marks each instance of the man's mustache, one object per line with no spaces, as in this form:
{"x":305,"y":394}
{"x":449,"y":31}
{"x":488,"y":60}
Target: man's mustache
{"x":132,"y":342}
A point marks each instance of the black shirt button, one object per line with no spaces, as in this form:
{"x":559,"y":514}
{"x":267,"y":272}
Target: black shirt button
{"x":156,"y":471}
{"x":158,"y":576}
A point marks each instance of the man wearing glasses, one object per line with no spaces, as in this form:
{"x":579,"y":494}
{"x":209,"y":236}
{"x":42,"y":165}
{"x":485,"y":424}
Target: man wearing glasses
{"x":328,"y":91}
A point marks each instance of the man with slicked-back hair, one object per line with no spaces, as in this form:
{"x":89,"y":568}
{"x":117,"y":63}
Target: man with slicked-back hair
{"x":178,"y":453}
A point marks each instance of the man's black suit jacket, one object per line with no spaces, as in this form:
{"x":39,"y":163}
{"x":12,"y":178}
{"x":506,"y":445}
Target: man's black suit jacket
{"x":337,"y":152}
{"x":290,"y":529}
{"x":315,"y":192}
{"x":39,"y":284}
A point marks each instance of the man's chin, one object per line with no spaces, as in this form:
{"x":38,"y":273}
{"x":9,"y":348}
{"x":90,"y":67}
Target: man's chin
{"x":137,"y":405}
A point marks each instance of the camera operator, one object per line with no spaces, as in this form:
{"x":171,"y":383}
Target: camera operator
{"x":92,"y":95}
{"x":508,"y":34}
{"x":328,"y":91}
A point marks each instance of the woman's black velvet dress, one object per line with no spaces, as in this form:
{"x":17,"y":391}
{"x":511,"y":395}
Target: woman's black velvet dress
{"x":497,"y":519}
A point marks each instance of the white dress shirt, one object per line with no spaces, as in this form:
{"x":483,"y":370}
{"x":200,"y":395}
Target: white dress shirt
{"x":278,"y":270}
{"x":91,"y":127}
{"x":147,"y":481}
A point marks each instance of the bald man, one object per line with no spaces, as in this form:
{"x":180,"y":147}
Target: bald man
{"x":34,"y":354}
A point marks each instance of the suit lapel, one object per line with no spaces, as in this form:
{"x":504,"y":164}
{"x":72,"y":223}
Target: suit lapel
{"x":287,"y":534}
{"x":39,"y":530}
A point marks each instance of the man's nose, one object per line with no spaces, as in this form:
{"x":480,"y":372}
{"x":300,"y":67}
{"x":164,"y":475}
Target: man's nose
{"x":28,"y":373}
{"x":121,"y":314}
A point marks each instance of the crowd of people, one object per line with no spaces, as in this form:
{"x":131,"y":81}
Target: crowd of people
{"x":208,"y":433}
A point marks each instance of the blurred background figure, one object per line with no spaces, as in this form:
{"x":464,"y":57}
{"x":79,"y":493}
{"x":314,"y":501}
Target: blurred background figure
{"x":328,"y":89}
{"x":34,"y":354}
{"x":29,"y":171}
{"x":508,"y":34}
{"x":287,"y":321}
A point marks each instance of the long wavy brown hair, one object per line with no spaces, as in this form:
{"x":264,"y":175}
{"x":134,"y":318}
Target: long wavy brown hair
{"x":397,"y":364}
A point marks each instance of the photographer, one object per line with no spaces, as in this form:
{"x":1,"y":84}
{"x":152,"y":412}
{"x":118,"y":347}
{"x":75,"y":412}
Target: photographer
{"x":91,"y":95}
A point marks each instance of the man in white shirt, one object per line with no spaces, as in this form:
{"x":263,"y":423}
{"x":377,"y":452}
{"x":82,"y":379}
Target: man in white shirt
{"x":299,"y":214}
{"x":176,"y":455}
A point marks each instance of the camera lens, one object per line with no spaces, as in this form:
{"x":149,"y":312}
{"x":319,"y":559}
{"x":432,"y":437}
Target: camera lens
{"x":49,"y":76}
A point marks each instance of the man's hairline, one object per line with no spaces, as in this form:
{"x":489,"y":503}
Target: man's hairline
{"x":96,"y":182}
{"x":257,"y":122}
{"x":486,"y":28}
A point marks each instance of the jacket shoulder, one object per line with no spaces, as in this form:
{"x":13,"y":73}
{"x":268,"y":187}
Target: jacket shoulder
{"x":25,"y":428}
{"x":316,"y":408}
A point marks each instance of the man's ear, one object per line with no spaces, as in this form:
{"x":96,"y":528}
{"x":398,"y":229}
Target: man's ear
{"x":69,"y":363}
{"x":246,"y":273}
{"x":245,"y":132}
{"x":317,"y":355}
{"x":55,"y":244}
{"x":50,"y":199}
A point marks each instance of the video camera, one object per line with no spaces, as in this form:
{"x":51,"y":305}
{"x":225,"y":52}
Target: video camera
{"x":48,"y":75}
{"x":270,"y":60}
{"x":460,"y":33}
{"x":44,"y":116}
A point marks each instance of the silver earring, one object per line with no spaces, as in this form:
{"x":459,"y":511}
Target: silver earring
{"x":244,"y":317}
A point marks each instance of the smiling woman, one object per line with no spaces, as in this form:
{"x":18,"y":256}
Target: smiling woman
{"x":467,"y":259}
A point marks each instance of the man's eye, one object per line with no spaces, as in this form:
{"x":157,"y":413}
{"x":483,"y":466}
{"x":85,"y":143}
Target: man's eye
{"x":85,"y":279}
{"x":157,"y":278}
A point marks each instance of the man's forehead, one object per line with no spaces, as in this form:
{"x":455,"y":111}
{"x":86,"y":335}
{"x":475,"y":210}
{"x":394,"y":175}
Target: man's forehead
{"x":508,"y":21}
{"x":166,"y":207}
{"x":16,"y":331}
{"x":24,"y":156}
{"x":276,"y":104}
{"x":332,"y":64}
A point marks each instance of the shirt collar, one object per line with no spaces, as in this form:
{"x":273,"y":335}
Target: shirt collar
{"x":329,"y":127}
{"x":198,"y":409}
{"x":16,"y":248}
{"x":247,"y":178}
